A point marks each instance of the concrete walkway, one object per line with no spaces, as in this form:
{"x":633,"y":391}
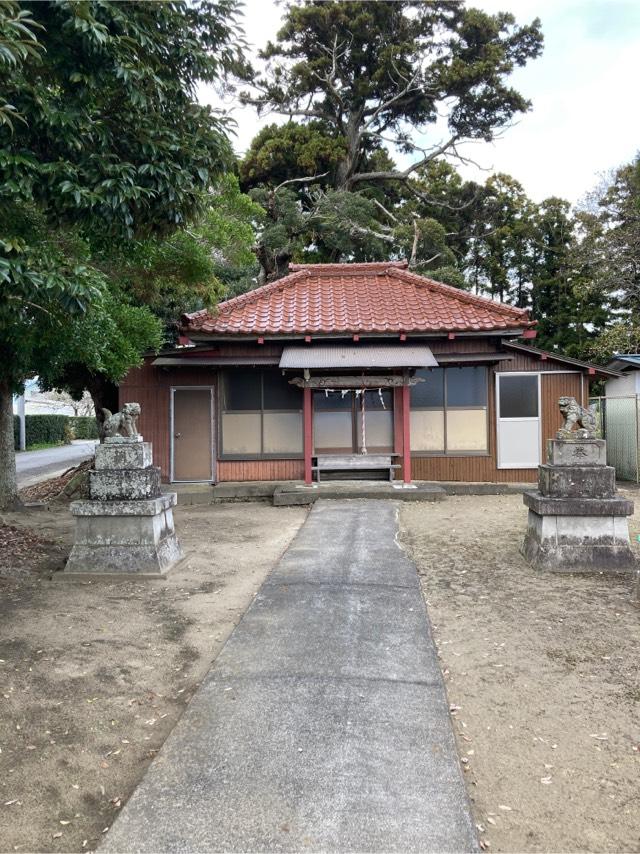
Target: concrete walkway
{"x":323,"y":725}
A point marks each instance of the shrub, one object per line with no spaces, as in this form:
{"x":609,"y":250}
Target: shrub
{"x":54,"y":429}
{"x":42,"y":430}
{"x":85,"y":427}
{"x":46,"y":429}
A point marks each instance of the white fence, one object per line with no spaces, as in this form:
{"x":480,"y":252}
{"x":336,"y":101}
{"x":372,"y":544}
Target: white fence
{"x":619,"y":424}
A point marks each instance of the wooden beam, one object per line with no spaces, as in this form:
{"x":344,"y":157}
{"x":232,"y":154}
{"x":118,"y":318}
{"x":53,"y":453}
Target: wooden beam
{"x":391,"y":381}
{"x":406,"y":434}
{"x":308,"y":434}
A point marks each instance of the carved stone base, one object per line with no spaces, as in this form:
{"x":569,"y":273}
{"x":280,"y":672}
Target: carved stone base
{"x":124,"y":484}
{"x":124,"y":537}
{"x":578,"y":543}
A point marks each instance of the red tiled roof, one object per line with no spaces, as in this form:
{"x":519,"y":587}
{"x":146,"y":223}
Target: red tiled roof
{"x":354,"y":298}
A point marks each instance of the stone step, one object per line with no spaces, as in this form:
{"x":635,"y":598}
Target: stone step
{"x":343,"y":489}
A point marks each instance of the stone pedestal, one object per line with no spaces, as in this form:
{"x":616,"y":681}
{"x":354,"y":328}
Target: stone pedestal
{"x":126,"y":526}
{"x":576,"y":521}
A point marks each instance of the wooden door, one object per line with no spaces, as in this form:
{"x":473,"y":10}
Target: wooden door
{"x":192,"y":434}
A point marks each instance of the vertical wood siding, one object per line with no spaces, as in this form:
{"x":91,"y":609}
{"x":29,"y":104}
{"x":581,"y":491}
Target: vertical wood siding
{"x":261,"y":470}
{"x":553,"y":387}
{"x":151,"y":388}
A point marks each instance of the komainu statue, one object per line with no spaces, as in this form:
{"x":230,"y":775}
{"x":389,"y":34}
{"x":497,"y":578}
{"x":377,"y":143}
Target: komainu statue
{"x":124,"y":423}
{"x":576,"y":416}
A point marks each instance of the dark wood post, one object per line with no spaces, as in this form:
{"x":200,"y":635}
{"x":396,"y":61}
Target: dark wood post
{"x":308,"y":434}
{"x":406,"y":433}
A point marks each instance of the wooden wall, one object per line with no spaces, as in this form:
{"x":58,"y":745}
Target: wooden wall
{"x":261,"y":470}
{"x":150,"y":386}
{"x":484,"y":468}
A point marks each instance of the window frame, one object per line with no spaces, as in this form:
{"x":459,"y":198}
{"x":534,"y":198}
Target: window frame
{"x":231,"y":456}
{"x":445,"y":408}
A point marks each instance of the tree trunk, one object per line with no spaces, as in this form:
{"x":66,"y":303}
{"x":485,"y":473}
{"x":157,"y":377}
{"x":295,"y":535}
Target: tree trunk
{"x":273,"y":266}
{"x":8,"y":478}
{"x":104,"y":395}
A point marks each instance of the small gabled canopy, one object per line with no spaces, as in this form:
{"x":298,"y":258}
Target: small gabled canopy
{"x":358,"y":356}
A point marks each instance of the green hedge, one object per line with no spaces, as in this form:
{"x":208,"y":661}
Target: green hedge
{"x":54,"y":429}
{"x":84,"y":427}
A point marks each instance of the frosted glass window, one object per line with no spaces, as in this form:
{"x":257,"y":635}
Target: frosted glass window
{"x":261,"y":414}
{"x":241,"y":433}
{"x":427,"y":430}
{"x":282,"y":433}
{"x":378,"y":430}
{"x":466,"y":430}
{"x":333,"y":431}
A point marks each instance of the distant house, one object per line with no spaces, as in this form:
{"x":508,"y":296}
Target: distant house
{"x":352,"y":361}
{"x":628,"y":366}
{"x":621,"y":416}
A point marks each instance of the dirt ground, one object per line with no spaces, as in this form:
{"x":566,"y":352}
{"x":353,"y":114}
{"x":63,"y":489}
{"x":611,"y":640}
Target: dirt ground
{"x":543,"y":677}
{"x":94,"y":675}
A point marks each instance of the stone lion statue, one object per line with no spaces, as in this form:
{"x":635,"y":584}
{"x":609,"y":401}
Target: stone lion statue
{"x":124,"y":423}
{"x":576,"y":415}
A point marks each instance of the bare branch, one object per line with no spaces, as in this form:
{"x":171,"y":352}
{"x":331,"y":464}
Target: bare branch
{"x":385,"y":211}
{"x":306,"y":178}
{"x":437,"y":203}
{"x":426,"y":261}
{"x":402,"y":175}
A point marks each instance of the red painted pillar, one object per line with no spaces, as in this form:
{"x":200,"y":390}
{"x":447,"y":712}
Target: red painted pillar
{"x":406,"y":434}
{"x":308,"y":434}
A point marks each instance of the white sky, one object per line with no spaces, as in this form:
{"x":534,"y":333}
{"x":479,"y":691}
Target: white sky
{"x":584,"y":88}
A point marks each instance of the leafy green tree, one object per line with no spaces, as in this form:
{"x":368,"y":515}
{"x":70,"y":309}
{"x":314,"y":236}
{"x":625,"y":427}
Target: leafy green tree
{"x":101,"y":140}
{"x":609,"y":257}
{"x":570,"y":308}
{"x":367,"y":70}
{"x":363,"y":77}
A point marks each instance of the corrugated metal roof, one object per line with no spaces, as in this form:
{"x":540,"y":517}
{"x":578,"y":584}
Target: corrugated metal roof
{"x":358,"y":356}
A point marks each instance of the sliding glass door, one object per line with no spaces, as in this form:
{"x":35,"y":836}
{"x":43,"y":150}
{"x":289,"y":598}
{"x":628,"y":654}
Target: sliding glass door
{"x":345,"y":422}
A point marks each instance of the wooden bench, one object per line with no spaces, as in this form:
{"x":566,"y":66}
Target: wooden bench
{"x":355,"y":463}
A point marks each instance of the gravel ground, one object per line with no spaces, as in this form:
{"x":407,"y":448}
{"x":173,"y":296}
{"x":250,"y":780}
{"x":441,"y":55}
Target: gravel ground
{"x":543,"y":677}
{"x":94,"y":675}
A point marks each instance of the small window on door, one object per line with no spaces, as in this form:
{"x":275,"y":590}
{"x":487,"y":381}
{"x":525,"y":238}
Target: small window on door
{"x":518,"y":421}
{"x":519,"y":396}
